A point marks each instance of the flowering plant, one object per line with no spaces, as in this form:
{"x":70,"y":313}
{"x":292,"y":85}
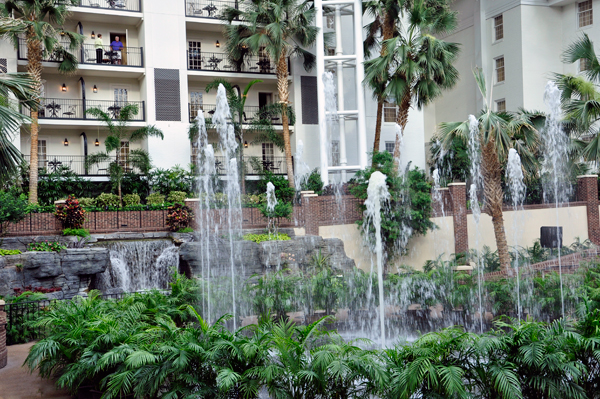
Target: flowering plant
{"x":71,"y":214}
{"x":179,"y":217}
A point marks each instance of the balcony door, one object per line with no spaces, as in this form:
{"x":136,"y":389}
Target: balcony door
{"x":42,"y":154}
{"x":194,"y":55}
{"x":122,"y":39}
{"x":124,"y":155}
{"x":196,"y":102}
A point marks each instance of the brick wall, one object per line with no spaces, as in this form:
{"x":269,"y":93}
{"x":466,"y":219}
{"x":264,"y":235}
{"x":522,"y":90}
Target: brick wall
{"x":3,"y":350}
{"x":587,"y":191}
{"x":458,"y":197}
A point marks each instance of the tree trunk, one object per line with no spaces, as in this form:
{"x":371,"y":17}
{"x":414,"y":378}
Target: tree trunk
{"x":402,"y":120}
{"x":34,"y":67}
{"x":284,"y":93}
{"x":377,"y":140}
{"x":492,"y":181}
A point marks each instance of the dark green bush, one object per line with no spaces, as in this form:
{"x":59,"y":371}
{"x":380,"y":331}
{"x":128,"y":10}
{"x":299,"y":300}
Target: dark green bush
{"x":313,"y":183}
{"x":12,"y":209}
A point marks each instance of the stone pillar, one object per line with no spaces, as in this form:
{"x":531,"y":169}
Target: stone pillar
{"x":587,"y":191}
{"x":3,"y":350}
{"x":458,"y":195}
{"x":310,"y":202}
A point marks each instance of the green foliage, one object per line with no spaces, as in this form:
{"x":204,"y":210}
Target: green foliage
{"x":258,"y":238}
{"x":313,"y":182}
{"x":179,"y":217}
{"x":155,"y":199}
{"x":283,"y":192}
{"x":12,"y":209}
{"x":281,"y":210}
{"x":108,"y":200}
{"x":76,"y":232}
{"x":186,"y":230}
{"x":87,"y":202}
{"x":253,"y":200}
{"x":46,"y":246}
{"x":177,"y":196}
{"x":4,"y":252}
{"x":71,"y":215}
{"x":134,"y":183}
{"x":131,"y":199}
{"x":58,"y":185}
{"x":409,"y":209}
{"x":274,"y":294}
{"x":165,"y":181}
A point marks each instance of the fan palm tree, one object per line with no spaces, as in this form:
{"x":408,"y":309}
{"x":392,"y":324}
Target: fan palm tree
{"x":279,"y":29}
{"x":416,"y":65}
{"x":40,"y":22}
{"x":118,"y":132}
{"x":497,"y":133}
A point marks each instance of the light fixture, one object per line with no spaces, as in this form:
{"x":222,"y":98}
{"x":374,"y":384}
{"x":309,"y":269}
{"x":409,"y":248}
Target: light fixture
{"x":62,"y":32}
{"x":218,"y":44}
{"x":93,"y":36}
{"x":95,"y":89}
{"x":66,"y":142}
{"x":245,"y":144}
{"x":244,"y":46}
{"x":97,"y":143}
{"x":64,"y":87}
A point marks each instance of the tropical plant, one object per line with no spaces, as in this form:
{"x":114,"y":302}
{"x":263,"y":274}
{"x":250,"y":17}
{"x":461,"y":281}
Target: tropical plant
{"x":131,"y":199}
{"x":414,"y":67}
{"x":119,"y":132}
{"x":177,"y":196}
{"x":12,"y":209}
{"x":278,"y":29}
{"x":164,"y":181}
{"x":179,"y":217}
{"x":313,"y":182}
{"x":46,"y":246}
{"x":71,"y":215}
{"x":155,"y":199}
{"x":496,"y":134}
{"x":76,"y":232}
{"x":107,"y":200}
{"x":41,"y":24}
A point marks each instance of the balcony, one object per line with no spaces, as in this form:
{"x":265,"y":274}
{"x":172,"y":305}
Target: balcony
{"x":207,"y":8}
{"x":220,"y":62}
{"x":255,"y":165}
{"x":250,"y":114}
{"x":118,"y":5}
{"x":76,"y":163}
{"x":75,"y":109}
{"x":129,"y":57}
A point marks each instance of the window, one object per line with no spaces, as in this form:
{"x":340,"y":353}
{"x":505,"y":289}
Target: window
{"x":390,"y":146}
{"x":584,"y":64}
{"x":499,"y":27}
{"x":585,"y":14}
{"x":120,"y":96}
{"x":389,"y":112}
{"x":267,"y":152}
{"x":42,"y":154}
{"x":194,"y":55}
{"x":501,"y":105}
{"x":335,"y":153}
{"x":500,"y":74}
{"x":124,"y":155}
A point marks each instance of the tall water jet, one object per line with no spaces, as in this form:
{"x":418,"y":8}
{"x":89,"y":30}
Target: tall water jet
{"x":514,"y":175}
{"x":555,"y":145}
{"x":301,"y":168}
{"x":271,"y":203}
{"x":377,"y":197}
{"x":332,"y":122}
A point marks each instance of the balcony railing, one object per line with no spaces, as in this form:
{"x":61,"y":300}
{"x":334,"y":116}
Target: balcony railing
{"x":219,"y":62}
{"x":255,"y":165}
{"x":75,"y":109}
{"x":250,"y":114}
{"x":76,"y":163}
{"x":119,"y":5}
{"x":88,"y":54}
{"x":207,"y":8}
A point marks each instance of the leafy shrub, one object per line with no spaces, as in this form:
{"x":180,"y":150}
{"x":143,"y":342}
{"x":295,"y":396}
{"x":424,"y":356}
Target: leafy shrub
{"x":164,"y":181}
{"x":4,"y":252}
{"x":179,"y":217}
{"x":135,"y":184}
{"x":12,"y":209}
{"x":58,"y":185}
{"x":283,"y":191}
{"x":281,"y":210}
{"x":87,"y":202}
{"x":108,"y":200}
{"x":131,"y":199}
{"x":76,"y":232}
{"x":71,"y":215}
{"x":186,"y":230}
{"x":155,"y":199}
{"x":313,"y":182}
{"x":253,"y":200}
{"x":177,"y":196}
{"x":46,"y":246}
{"x":258,"y":238}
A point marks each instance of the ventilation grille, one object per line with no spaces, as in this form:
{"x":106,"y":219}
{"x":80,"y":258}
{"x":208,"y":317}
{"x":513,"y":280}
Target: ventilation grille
{"x":167,"y":94}
{"x":3,"y":65}
{"x":310,"y":109}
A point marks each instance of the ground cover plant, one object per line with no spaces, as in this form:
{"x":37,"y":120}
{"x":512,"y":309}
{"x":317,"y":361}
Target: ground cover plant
{"x":46,"y":246}
{"x":258,"y":238}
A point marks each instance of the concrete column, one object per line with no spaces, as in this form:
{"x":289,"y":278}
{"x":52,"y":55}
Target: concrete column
{"x":3,"y":350}
{"x":587,"y":190}
{"x":458,"y":196}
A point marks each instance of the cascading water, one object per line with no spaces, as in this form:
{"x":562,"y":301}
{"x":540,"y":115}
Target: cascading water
{"x":377,"y":197}
{"x":555,"y":169}
{"x":514,"y":175}
{"x":301,"y":170}
{"x":332,"y":120}
{"x":138,"y":266}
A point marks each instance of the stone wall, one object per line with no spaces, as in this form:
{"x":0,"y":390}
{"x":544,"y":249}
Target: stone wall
{"x":71,"y":270}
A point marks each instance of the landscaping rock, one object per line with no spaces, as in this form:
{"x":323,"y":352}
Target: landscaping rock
{"x":42,"y":264}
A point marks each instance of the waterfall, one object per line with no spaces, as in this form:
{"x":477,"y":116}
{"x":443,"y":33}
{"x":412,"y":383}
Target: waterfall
{"x":138,"y":266}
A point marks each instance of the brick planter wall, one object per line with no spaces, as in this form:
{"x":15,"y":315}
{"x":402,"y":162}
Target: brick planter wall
{"x":3,"y":350}
{"x":587,"y":191}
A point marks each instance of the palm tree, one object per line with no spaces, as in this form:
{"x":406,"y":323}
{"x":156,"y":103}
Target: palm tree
{"x":16,"y":89}
{"x":119,"y":132}
{"x":416,"y":65}
{"x":497,"y":133}
{"x":40,"y":21}
{"x":280,"y":29}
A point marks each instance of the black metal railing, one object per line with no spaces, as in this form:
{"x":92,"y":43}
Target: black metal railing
{"x":128,"y":56}
{"x":255,"y":165}
{"x":119,"y":5}
{"x":87,"y":54}
{"x":220,"y":62}
{"x":64,"y":108}
{"x":207,"y":8}
{"x":251,"y":113}
{"x":75,"y":163}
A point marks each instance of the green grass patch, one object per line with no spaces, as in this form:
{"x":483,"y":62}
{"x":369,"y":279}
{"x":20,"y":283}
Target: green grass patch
{"x":258,"y":238}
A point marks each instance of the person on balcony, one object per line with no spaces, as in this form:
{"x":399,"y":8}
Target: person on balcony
{"x":99,"y":49}
{"x":116,"y":46}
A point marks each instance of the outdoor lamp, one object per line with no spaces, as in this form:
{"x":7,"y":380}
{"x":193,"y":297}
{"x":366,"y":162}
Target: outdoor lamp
{"x":62,"y":32}
{"x":245,"y":144}
{"x":95,"y":89}
{"x":66,"y":142}
{"x":93,"y":36}
{"x":97,"y":143}
{"x":218,"y":44}
{"x":64,"y":87}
